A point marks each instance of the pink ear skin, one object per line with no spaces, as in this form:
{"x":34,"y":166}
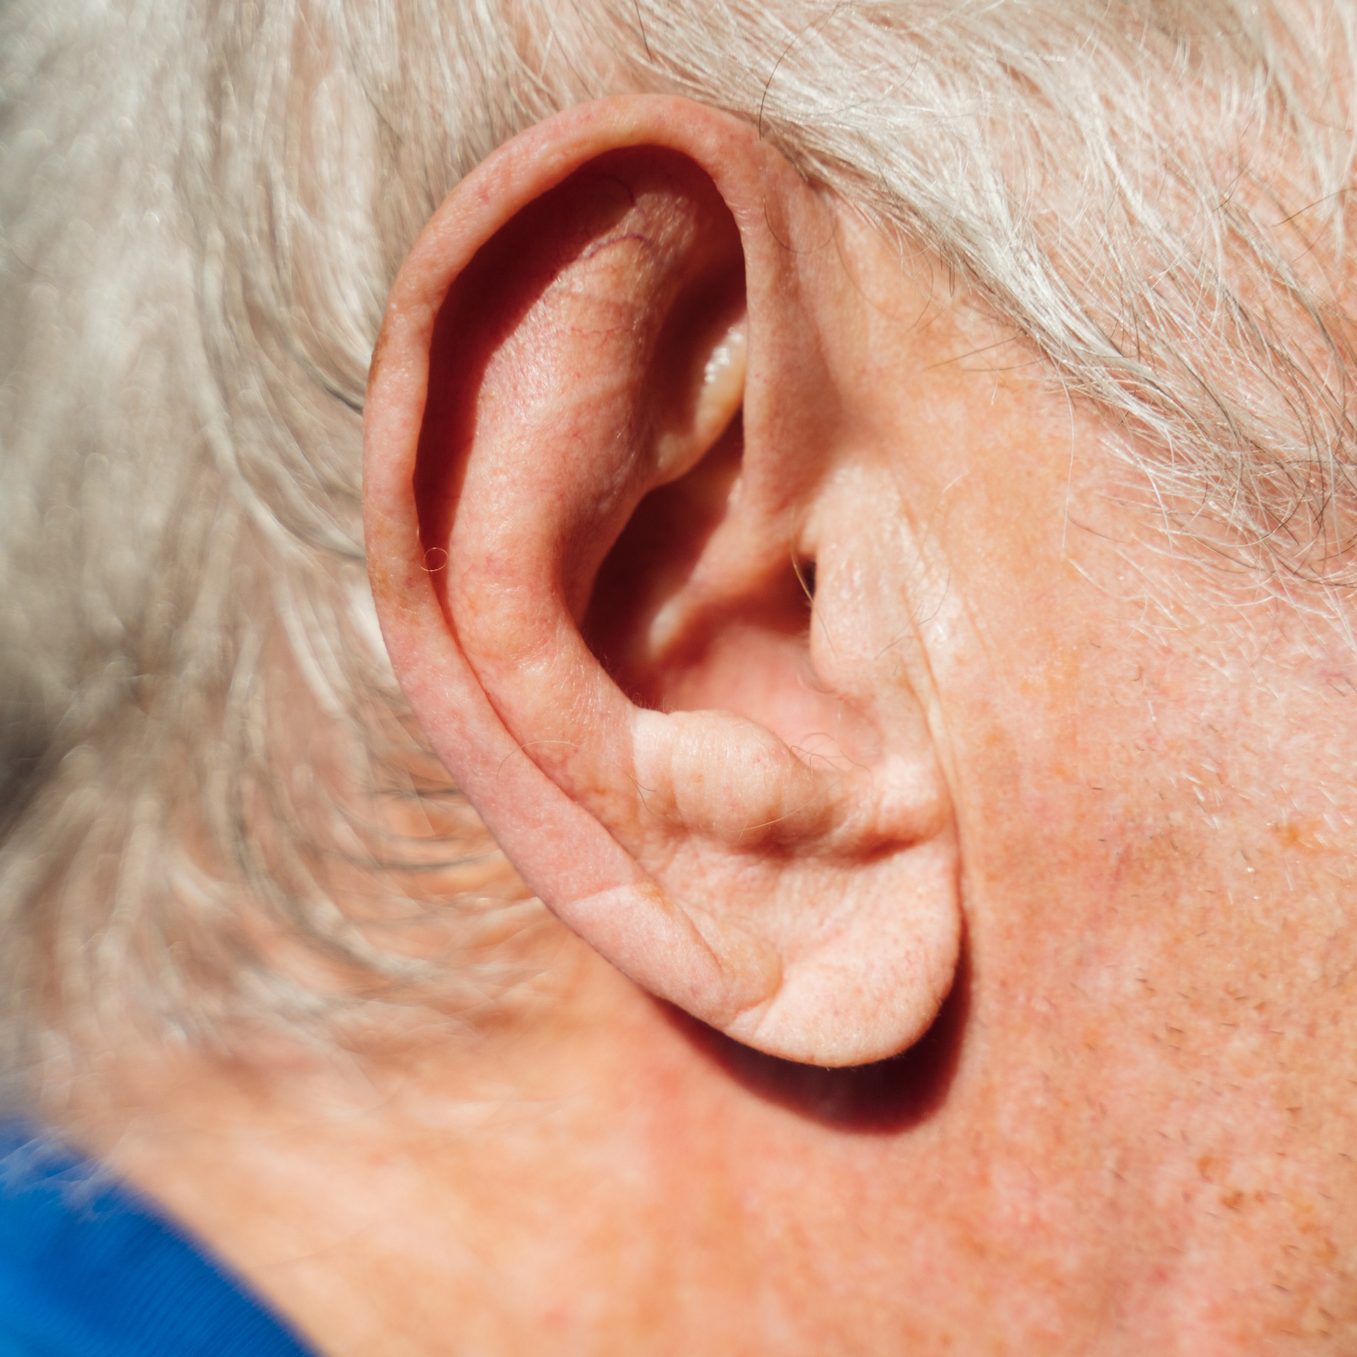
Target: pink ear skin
{"x":605,"y":428}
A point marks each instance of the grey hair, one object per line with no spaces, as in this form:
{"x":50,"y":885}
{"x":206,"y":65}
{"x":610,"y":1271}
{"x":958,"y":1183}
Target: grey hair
{"x":214,"y":807}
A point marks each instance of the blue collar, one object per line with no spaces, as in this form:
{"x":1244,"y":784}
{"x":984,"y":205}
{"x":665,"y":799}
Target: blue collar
{"x":89,"y":1269}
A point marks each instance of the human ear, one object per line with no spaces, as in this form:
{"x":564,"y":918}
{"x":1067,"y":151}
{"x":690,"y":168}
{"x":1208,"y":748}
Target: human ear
{"x":606,"y":443}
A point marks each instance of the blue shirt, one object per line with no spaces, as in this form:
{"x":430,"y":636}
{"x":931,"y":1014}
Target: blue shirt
{"x":89,"y":1269}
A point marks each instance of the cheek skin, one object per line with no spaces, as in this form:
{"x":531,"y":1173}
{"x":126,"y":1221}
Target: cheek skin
{"x":1143,"y":1134}
{"x":1149,"y":853}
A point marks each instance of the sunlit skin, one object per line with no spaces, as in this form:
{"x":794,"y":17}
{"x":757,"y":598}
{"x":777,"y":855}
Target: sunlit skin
{"x":1130,"y":1126}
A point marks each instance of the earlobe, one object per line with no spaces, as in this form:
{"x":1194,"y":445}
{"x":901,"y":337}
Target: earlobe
{"x":600,"y":435}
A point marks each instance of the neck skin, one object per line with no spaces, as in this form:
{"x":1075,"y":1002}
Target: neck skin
{"x":1129,"y":1130}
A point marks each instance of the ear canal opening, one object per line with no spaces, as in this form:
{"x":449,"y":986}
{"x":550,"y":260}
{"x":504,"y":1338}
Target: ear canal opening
{"x":680,"y":622}
{"x":805,"y":575}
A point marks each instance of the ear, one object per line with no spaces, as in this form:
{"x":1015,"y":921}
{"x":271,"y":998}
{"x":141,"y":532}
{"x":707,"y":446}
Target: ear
{"x":608,"y":461}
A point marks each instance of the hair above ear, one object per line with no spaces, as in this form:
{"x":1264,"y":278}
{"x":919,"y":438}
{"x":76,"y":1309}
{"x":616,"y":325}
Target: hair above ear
{"x":602,"y":437}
